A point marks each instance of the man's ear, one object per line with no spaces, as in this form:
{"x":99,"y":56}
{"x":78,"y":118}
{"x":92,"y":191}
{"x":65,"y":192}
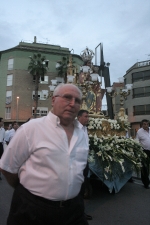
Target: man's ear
{"x":78,"y":117}
{"x":53,"y":100}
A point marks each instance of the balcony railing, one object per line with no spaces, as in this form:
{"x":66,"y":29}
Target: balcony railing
{"x":7,"y":116}
{"x":141,"y":113}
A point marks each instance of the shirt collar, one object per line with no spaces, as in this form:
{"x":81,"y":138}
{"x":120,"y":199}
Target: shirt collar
{"x":80,"y":125}
{"x":55,"y":119}
{"x":145,"y":130}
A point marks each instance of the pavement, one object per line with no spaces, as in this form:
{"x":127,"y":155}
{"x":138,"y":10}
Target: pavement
{"x":131,"y":206}
{"x":5,"y":199}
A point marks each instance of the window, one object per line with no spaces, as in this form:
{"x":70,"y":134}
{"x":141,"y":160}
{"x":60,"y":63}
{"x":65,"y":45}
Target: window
{"x":41,"y":111}
{"x":147,"y":75}
{"x":146,"y":63}
{"x":8,"y":113}
{"x":137,"y":76}
{"x":42,"y":95}
{"x":141,"y":92}
{"x":138,"y":92}
{"x":141,"y":110}
{"x":33,"y":94}
{"x":44,"y":80}
{"x":10,"y":64}
{"x":9,"y":80}
{"x":147,"y":91}
{"x":8,"y":97}
{"x":140,"y":76}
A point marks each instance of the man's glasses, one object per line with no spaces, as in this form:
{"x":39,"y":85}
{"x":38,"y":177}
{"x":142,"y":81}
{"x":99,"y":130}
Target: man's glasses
{"x":69,"y":98}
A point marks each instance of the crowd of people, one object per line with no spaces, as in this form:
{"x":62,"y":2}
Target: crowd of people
{"x":6,"y":136}
{"x":46,"y":162}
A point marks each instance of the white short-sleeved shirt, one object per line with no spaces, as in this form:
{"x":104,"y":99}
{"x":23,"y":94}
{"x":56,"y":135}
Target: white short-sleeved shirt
{"x":84,"y":128}
{"x":10,"y":135}
{"x":6,"y":135}
{"x":2,"y":134}
{"x":46,"y":164}
{"x":144,"y":138}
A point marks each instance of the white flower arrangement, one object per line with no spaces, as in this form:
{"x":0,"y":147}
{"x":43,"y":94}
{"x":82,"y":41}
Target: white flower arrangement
{"x":120,"y":124}
{"x":116,"y":154}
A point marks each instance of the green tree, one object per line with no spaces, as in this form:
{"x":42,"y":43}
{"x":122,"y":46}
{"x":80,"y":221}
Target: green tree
{"x":63,"y":65}
{"x":37,"y":68}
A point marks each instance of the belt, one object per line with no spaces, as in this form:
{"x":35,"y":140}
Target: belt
{"x":63,"y":203}
{"x":39,"y":199}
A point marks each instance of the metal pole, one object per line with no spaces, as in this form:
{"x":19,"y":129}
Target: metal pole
{"x":17,"y":109}
{"x":106,"y":76}
{"x":96,"y":54}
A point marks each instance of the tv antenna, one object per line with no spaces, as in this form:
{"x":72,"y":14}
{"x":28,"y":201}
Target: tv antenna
{"x":47,"y":40}
{"x":148,"y":55}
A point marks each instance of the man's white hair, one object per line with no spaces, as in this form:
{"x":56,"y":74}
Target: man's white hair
{"x":62,"y":85}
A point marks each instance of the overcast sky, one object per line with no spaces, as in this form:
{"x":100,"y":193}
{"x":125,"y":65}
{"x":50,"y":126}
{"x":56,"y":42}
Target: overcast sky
{"x":123,"y":26}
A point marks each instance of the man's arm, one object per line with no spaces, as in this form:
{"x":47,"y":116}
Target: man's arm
{"x":11,"y":134}
{"x":11,"y":178}
{"x":137,"y":138}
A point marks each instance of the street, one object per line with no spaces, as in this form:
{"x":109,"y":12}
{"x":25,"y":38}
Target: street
{"x":131,"y":206}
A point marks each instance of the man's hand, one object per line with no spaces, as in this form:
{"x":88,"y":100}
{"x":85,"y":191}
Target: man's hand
{"x":11,"y":178}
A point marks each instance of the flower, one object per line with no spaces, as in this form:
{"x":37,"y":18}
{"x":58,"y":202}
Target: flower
{"x":119,"y":125}
{"x":116,"y":154}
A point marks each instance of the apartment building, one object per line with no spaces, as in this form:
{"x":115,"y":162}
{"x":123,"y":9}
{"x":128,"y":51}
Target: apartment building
{"x":138,"y":102}
{"x":17,"y":84}
{"x":116,"y":99}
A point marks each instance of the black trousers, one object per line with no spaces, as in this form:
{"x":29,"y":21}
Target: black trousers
{"x":85,"y":183}
{"x":29,"y":209}
{"x":1,"y":150}
{"x":145,"y":170}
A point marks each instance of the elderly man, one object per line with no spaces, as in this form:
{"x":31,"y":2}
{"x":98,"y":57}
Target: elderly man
{"x":143,"y":135}
{"x":45,"y":162}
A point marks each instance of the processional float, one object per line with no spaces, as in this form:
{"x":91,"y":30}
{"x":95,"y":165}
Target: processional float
{"x":112,"y":155}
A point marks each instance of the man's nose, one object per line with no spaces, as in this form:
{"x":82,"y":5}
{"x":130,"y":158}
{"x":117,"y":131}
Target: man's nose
{"x":72,"y":101}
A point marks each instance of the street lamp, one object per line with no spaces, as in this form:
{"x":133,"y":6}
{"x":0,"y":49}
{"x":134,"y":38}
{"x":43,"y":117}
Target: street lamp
{"x":17,"y":108}
{"x":123,"y":92}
